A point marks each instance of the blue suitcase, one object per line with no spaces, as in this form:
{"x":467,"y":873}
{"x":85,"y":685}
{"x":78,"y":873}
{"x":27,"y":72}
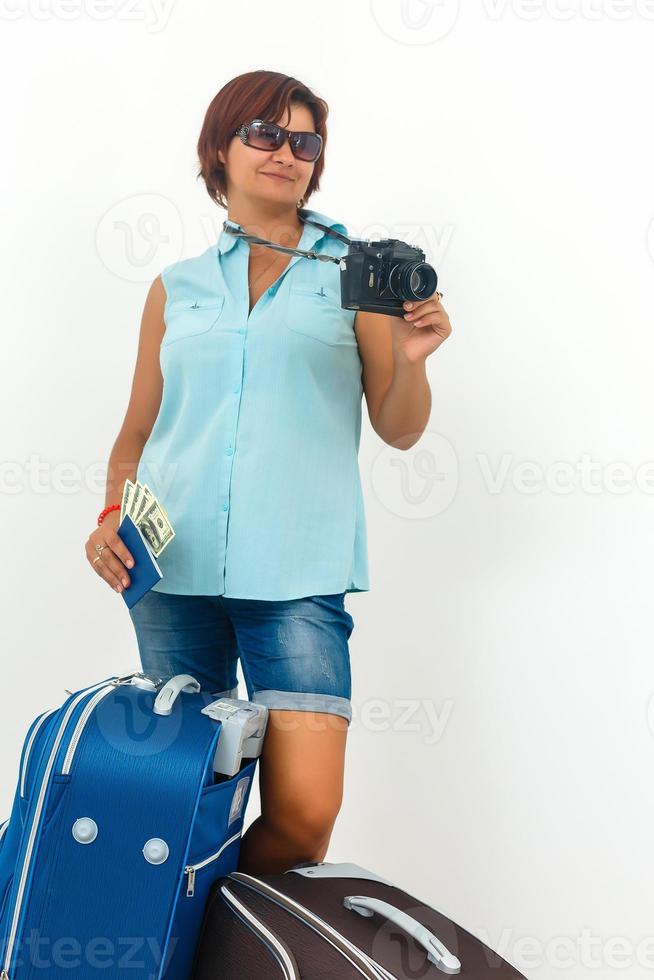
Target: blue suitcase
{"x":120,"y":825}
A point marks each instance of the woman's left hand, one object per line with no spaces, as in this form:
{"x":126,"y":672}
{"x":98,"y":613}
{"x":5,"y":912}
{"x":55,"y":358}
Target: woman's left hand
{"x":423,"y":328}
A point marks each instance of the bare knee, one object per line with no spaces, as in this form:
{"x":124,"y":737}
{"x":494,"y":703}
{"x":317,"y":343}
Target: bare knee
{"x":301,"y":782}
{"x":308,"y":825}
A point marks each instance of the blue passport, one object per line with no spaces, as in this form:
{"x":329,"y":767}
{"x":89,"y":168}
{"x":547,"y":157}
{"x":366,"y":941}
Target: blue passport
{"x":146,"y":571}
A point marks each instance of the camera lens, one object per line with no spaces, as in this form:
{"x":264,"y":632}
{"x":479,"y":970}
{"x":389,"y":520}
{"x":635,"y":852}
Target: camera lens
{"x":413,"y":280}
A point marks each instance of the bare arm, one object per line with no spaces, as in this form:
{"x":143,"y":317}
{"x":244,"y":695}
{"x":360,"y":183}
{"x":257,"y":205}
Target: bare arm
{"x":397,"y":391}
{"x":142,"y":410}
{"x":144,"y":400}
{"x":394,"y":351}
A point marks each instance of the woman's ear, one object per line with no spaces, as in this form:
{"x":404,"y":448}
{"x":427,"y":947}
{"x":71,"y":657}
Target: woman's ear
{"x":221,"y":157}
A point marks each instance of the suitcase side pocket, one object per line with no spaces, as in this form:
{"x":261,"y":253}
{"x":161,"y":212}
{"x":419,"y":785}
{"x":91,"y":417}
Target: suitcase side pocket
{"x":213,"y":852}
{"x":219,"y":819}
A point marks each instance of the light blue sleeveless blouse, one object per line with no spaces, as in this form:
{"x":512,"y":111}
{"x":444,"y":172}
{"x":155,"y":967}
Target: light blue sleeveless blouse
{"x":254,"y":451}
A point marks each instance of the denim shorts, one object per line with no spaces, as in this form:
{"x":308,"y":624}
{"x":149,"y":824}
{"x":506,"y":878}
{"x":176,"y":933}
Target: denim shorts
{"x":294,"y":652}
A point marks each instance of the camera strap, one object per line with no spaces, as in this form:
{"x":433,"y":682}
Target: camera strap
{"x":293,"y":251}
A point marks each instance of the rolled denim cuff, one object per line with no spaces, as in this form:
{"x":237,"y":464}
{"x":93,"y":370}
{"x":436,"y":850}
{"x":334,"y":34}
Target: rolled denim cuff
{"x":299,"y":701}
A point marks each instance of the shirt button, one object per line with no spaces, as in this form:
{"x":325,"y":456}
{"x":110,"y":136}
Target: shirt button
{"x":236,"y":389}
{"x":271,"y":290}
{"x":225,"y":506}
{"x":229,"y":450}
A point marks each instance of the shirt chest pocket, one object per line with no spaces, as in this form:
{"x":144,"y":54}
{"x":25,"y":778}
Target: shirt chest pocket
{"x":185,"y":319}
{"x":316,"y":312}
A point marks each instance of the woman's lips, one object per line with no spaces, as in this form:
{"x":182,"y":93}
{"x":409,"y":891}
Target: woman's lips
{"x":275,"y":176}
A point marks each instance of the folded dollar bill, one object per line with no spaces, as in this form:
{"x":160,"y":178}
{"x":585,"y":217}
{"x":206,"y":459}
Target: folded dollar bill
{"x":148,"y":515}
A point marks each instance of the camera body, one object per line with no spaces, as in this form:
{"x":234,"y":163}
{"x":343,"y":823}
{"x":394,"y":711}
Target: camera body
{"x":380,"y":276}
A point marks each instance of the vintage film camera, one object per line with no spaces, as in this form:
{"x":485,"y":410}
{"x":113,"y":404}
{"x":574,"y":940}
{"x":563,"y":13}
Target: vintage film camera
{"x":381,"y":276}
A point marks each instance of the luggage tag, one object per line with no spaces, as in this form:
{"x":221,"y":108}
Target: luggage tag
{"x":243,"y":729}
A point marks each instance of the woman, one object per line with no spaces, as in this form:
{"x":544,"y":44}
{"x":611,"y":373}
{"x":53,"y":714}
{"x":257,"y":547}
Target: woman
{"x":251,"y":446}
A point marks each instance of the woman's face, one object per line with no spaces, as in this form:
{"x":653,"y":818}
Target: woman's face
{"x":249,"y":169}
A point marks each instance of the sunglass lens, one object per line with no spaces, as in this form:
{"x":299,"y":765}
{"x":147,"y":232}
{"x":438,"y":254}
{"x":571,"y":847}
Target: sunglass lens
{"x":263,"y":136}
{"x":306,"y":146}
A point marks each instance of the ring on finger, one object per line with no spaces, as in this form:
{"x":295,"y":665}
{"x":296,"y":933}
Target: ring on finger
{"x":100,"y":548}
{"x":96,"y":559}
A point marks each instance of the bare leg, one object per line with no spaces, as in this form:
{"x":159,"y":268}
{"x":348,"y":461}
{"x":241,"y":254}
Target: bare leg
{"x":301,"y":784}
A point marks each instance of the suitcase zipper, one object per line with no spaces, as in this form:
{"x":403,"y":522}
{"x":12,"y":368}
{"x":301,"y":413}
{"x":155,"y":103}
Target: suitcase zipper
{"x":36,"y":818}
{"x":190,"y":869}
{"x":359,"y":960}
{"x":28,"y":750}
{"x":79,"y":727}
{"x":279,"y":950}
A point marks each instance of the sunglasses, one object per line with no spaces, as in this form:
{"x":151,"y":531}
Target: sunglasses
{"x":262,"y":135}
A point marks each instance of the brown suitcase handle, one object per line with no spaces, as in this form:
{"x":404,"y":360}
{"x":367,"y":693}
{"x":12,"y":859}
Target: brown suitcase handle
{"x":437,"y":952}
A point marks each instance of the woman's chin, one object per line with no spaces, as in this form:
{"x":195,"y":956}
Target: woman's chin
{"x":276,"y":195}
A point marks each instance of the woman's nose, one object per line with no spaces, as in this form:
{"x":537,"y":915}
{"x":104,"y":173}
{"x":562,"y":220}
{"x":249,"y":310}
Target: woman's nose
{"x":284,"y":153}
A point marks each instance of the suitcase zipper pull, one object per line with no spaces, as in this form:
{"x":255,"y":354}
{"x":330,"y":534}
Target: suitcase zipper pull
{"x":190,"y":869}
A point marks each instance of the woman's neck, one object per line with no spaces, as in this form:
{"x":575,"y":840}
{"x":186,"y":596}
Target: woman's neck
{"x":280,"y":227}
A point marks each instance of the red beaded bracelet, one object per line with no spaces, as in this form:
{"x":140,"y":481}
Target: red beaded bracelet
{"x":107,"y":510}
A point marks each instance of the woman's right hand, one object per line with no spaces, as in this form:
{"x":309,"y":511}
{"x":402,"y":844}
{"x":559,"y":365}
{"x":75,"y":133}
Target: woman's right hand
{"x":114,"y":557}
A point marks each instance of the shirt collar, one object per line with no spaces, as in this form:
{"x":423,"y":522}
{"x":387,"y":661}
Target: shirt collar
{"x":310,"y":234}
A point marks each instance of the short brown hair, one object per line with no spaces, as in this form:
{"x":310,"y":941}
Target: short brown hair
{"x":253,"y":95}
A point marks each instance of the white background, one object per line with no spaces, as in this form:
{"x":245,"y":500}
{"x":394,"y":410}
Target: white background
{"x":500,"y":761}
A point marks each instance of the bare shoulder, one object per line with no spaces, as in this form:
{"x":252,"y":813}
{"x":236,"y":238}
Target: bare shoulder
{"x":152,"y":321}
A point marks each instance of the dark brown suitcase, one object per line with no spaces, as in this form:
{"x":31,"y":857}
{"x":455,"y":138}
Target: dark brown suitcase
{"x":324,"y":921}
